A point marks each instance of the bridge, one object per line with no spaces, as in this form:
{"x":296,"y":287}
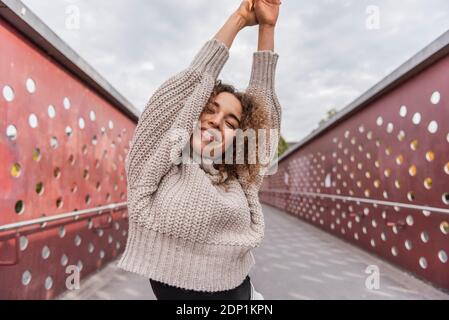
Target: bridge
{"x":365,"y":195}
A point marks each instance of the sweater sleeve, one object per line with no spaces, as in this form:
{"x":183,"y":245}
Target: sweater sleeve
{"x":262,"y":87}
{"x":169,"y":117}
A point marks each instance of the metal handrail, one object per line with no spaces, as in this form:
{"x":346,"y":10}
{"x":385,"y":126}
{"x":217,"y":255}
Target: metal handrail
{"x":356,"y":199}
{"x":77,"y":214}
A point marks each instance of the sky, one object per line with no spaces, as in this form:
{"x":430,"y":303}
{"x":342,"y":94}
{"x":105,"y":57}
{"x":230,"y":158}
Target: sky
{"x":330,"y":51}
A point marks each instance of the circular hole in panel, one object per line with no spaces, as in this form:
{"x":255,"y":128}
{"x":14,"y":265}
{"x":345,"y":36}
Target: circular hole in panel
{"x":435,"y":98}
{"x":30,"y":85}
{"x":390,"y":127}
{"x":86,"y":174}
{"x":408,"y":245}
{"x":111,"y":124}
{"x":403,"y":111}
{"x":48,"y":283}
{"x":430,"y":156}
{"x":57,"y":173}
{"x":26,"y":278}
{"x":446,"y":168}
{"x":51,"y":111}
{"x":67,"y":103}
{"x":37,"y":154}
{"x":423,"y":262}
{"x":412,"y":170}
{"x":64,"y":260}
{"x":414,"y":145}
{"x":45,"y":252}
{"x":379,"y":121}
{"x":61,"y":231}
{"x":8,"y":93}
{"x":394,"y":251}
{"x":40,"y":188}
{"x":444,"y":227}
{"x":23,"y":243}
{"x":81,"y":123}
{"x":416,"y":118}
{"x":77,"y":240}
{"x":74,"y":188}
{"x":59,"y":203}
{"x":11,"y":132}
{"x":72,"y":159}
{"x":92,"y":115}
{"x":445,"y":198}
{"x":33,"y":121}
{"x":54,"y":142}
{"x":409,"y":220}
{"x":410,"y":196}
{"x":68,"y":131}
{"x":442,"y":255}
{"x":16,"y":170}
{"x":19,"y":207}
{"x":428,"y":183}
{"x":424,"y":237}
{"x":433,"y":126}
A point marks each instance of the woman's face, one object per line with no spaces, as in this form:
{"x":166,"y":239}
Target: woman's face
{"x":217,"y":126}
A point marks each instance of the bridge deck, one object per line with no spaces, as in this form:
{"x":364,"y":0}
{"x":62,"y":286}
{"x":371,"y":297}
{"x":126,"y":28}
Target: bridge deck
{"x":295,"y":261}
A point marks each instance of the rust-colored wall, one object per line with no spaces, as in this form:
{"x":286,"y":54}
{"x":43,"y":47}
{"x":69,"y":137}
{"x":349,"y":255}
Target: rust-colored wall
{"x":380,"y":154}
{"x":84,"y":170}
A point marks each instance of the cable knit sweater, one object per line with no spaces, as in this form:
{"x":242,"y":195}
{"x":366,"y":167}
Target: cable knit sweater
{"x":185,"y":229}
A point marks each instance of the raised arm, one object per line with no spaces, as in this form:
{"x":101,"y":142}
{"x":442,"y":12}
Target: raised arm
{"x":176,"y":105}
{"x":262,"y":80}
{"x":261,"y":86}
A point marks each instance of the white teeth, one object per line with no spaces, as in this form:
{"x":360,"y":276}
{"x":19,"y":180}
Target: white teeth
{"x":210,"y":136}
{"x":207,"y":136}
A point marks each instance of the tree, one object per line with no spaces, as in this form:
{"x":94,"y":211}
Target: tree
{"x":282,"y":146}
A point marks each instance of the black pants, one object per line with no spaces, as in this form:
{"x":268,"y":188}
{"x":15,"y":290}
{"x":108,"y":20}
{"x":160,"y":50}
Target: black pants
{"x":164,"y":291}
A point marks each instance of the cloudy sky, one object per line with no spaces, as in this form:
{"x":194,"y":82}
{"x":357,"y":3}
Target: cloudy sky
{"x":330,"y":51}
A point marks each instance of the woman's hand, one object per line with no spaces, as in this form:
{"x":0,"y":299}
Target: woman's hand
{"x":247,"y":13}
{"x":267,"y":12}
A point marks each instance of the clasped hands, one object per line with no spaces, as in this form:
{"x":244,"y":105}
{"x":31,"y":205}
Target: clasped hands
{"x":262,"y":12}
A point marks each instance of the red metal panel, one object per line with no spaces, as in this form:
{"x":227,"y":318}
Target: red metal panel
{"x":70,"y":145}
{"x":381,"y":153}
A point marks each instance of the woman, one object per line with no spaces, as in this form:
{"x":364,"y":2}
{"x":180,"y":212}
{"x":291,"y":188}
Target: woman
{"x":192,"y":224}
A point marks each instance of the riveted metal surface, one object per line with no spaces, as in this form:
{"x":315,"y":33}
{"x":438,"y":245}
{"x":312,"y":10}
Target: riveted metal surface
{"x":380,"y":177}
{"x":62,"y":149}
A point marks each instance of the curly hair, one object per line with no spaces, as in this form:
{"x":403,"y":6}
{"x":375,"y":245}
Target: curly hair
{"x":254,"y":116}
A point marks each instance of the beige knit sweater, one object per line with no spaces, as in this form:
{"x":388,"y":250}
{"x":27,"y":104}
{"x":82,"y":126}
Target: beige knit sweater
{"x":184,"y":229}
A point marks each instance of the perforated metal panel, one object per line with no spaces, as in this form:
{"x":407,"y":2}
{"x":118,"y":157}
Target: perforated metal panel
{"x":379,"y":178}
{"x":62,"y":149}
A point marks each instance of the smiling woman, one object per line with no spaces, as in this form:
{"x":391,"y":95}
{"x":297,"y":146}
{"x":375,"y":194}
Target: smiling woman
{"x":192,"y":225}
{"x":226,"y":112}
